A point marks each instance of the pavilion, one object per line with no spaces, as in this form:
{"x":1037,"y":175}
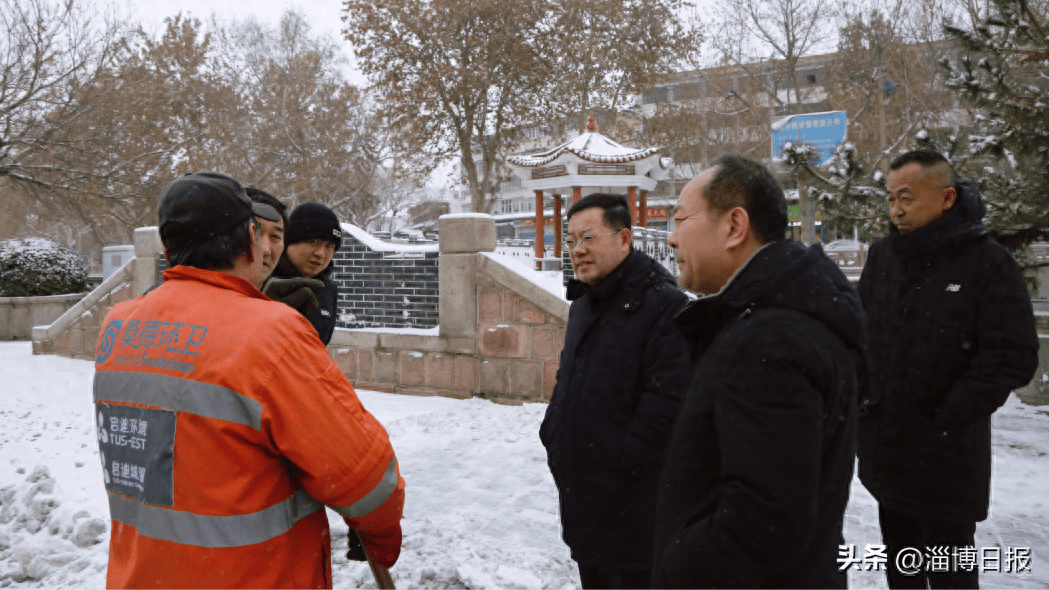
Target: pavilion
{"x":590,"y":160}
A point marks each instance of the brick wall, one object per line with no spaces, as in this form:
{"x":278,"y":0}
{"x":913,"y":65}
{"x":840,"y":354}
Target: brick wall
{"x":518,"y":345}
{"x":397,"y":288}
{"x":514,"y":360}
{"x":511,"y":355}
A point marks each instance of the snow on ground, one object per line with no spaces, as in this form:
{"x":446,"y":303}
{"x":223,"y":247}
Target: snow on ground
{"x":481,"y":509}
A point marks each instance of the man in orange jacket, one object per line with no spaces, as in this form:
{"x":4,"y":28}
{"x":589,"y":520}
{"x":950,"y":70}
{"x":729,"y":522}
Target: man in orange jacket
{"x":224,"y":428}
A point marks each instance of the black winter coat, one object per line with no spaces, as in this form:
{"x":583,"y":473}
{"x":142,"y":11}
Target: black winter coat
{"x":624,"y":369}
{"x":323,"y":318}
{"x":760,"y":461}
{"x":951,"y":334}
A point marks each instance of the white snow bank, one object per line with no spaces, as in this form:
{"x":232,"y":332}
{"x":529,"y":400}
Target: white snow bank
{"x":466,"y":216}
{"x":378,"y":245}
{"x":434,"y":331}
{"x":549,"y":281}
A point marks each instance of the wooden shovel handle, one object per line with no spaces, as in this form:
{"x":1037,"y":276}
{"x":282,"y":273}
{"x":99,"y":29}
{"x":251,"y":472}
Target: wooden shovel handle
{"x":382,"y":575}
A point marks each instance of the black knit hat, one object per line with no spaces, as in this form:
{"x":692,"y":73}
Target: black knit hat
{"x":200,"y":206}
{"x":313,"y":221}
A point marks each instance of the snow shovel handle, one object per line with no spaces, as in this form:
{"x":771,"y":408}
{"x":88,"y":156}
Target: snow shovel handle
{"x":382,"y":575}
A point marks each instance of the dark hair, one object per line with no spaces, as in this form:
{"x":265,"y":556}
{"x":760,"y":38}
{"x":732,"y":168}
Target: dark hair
{"x":260,"y":196}
{"x":218,"y":252}
{"x":739,"y":182}
{"x":615,"y":207}
{"x":926,"y":159}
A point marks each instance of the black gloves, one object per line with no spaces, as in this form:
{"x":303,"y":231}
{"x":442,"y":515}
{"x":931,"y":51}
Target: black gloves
{"x":296,"y":292}
{"x":356,"y":551}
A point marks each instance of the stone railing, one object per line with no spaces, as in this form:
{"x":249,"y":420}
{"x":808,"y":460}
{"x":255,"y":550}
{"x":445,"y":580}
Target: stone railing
{"x":75,"y":333}
{"x":18,"y":315}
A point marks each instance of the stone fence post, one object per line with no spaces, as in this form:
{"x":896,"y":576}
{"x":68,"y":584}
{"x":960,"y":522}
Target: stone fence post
{"x":144,"y":264}
{"x":462,"y":237}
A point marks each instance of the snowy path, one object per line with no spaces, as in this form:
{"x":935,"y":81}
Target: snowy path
{"x":481,"y":510}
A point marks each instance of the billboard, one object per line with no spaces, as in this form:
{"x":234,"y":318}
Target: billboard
{"x":824,"y":131}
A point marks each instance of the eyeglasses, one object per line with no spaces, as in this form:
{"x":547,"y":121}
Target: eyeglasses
{"x":587,"y":241}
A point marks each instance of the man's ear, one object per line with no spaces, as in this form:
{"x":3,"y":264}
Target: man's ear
{"x":252,"y":241}
{"x":738,"y":225}
{"x":625,"y":237}
{"x":949,"y":197}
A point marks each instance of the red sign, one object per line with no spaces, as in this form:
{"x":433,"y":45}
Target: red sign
{"x":657,"y":212}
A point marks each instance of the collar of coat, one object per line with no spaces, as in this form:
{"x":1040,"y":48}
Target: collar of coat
{"x":635,"y":273}
{"x":213,"y":277}
{"x":961,"y":223}
{"x":786,"y":275}
{"x":285,"y":269}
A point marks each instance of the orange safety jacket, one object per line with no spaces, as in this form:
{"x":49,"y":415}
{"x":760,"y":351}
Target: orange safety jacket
{"x":224,"y":429}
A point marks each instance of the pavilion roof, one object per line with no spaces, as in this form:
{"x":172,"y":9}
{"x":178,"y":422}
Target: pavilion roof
{"x":592,"y":147}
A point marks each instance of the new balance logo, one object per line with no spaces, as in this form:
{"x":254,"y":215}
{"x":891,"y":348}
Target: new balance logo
{"x":953,"y":288}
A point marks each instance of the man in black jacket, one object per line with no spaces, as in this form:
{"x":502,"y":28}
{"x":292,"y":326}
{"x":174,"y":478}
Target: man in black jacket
{"x":622,"y":374}
{"x":759,"y":463}
{"x":312,"y":238}
{"x":951,"y":334}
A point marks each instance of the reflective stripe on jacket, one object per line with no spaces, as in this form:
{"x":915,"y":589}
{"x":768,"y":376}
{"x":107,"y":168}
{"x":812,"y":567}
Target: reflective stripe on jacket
{"x":224,"y":428}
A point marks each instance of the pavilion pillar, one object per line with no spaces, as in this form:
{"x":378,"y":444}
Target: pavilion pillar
{"x":643,"y":207}
{"x":540,"y":232}
{"x":557,"y":226}
{"x":577,"y":193}
{"x":631,"y":197}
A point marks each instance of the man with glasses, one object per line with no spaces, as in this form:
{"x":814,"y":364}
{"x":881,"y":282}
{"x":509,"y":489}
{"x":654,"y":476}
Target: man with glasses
{"x":623,"y":371}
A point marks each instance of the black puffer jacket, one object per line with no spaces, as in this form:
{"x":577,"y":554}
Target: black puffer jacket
{"x":323,"y":318}
{"x":760,"y":461}
{"x":624,"y":369}
{"x":951,"y":334}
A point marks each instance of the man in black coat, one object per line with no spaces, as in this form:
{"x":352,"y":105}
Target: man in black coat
{"x":622,"y":375}
{"x":951,"y":334}
{"x":302,"y":278}
{"x":760,"y":460}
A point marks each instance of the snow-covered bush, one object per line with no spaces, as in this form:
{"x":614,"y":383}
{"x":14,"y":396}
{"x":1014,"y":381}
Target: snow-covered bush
{"x":32,"y":267}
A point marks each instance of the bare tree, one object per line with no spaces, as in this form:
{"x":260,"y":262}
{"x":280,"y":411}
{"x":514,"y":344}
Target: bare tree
{"x":606,"y":52}
{"x":767,"y":38}
{"x":454,"y":77}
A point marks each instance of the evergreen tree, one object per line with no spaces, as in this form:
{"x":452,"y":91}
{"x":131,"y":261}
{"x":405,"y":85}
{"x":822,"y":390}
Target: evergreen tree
{"x":1003,"y":74}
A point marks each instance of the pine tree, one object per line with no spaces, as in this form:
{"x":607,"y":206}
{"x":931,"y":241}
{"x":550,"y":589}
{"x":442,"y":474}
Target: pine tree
{"x":846,"y":190}
{"x":1002,"y":72}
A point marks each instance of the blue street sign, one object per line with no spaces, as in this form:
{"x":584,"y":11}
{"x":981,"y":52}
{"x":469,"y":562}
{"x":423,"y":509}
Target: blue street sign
{"x":824,"y":131}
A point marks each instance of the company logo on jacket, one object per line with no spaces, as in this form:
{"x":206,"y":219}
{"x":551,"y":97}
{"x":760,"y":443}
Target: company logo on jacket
{"x":136,"y":343}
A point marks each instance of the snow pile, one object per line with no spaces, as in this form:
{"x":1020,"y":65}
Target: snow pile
{"x":39,"y":535}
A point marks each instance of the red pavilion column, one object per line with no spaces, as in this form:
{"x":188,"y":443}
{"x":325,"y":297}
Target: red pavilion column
{"x":540,"y":232}
{"x":631,"y":197}
{"x":577,"y":193}
{"x":643,"y":210}
{"x":557,"y":226}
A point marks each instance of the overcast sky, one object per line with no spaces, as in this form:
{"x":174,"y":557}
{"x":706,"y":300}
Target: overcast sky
{"x":324,"y":16}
